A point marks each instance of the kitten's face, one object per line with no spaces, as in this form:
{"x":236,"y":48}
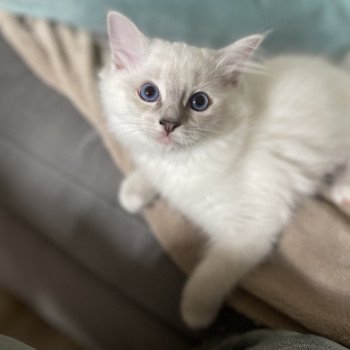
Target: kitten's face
{"x":174,"y":98}
{"x":167,"y":95}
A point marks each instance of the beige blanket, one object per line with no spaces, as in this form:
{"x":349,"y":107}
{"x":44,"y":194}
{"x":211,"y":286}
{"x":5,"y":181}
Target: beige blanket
{"x":305,"y":285}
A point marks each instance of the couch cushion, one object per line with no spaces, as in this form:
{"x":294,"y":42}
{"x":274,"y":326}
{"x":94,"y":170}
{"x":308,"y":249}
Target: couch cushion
{"x":75,"y":300}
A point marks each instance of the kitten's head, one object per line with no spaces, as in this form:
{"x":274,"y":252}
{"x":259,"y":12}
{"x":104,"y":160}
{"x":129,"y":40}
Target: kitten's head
{"x":171,"y":95}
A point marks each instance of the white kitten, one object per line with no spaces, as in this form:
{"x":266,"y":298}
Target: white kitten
{"x":234,"y":151}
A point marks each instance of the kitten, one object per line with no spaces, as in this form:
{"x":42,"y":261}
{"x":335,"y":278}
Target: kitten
{"x":233,"y":150}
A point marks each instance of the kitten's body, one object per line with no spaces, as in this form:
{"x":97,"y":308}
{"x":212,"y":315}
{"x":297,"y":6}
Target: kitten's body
{"x":278,"y":135}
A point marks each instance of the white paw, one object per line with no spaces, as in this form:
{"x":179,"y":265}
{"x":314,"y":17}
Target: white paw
{"x":196,"y":311}
{"x":136,"y":193}
{"x":341,"y":196}
{"x":130,"y":199}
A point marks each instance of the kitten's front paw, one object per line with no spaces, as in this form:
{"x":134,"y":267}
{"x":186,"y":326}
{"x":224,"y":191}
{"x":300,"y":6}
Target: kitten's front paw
{"x":340,"y":196}
{"x":135,"y":195}
{"x":131,"y":201}
{"x":197,"y":310}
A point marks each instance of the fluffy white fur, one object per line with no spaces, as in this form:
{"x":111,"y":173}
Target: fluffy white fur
{"x":238,"y":168}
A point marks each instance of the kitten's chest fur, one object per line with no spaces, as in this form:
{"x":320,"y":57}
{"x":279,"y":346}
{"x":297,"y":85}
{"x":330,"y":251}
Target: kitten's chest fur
{"x":186,"y":177}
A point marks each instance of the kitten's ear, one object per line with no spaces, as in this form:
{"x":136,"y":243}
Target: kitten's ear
{"x":128,"y":45}
{"x":235,"y":58}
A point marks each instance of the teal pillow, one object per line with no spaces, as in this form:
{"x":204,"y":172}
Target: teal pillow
{"x":318,"y":26}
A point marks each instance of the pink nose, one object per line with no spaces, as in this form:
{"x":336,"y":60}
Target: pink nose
{"x":168,"y":125}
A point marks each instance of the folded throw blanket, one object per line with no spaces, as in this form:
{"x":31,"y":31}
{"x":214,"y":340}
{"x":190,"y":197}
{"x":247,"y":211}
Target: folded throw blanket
{"x":304,"y":285}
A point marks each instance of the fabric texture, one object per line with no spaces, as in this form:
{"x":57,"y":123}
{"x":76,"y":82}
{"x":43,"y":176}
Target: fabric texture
{"x":305,"y":284}
{"x":274,"y":340}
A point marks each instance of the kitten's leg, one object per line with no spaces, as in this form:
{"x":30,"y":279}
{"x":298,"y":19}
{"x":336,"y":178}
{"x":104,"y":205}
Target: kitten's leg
{"x":223,"y":266}
{"x":135,"y":192}
{"x":338,"y":191}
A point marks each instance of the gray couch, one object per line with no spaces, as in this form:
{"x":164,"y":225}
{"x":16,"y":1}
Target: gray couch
{"x":66,"y":247}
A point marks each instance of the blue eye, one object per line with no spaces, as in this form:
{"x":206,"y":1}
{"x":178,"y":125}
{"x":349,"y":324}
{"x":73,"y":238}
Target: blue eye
{"x":199,"y":101}
{"x":149,"y":92}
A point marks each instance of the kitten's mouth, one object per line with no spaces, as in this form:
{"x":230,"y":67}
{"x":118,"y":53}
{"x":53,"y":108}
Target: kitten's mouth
{"x":164,"y":139}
